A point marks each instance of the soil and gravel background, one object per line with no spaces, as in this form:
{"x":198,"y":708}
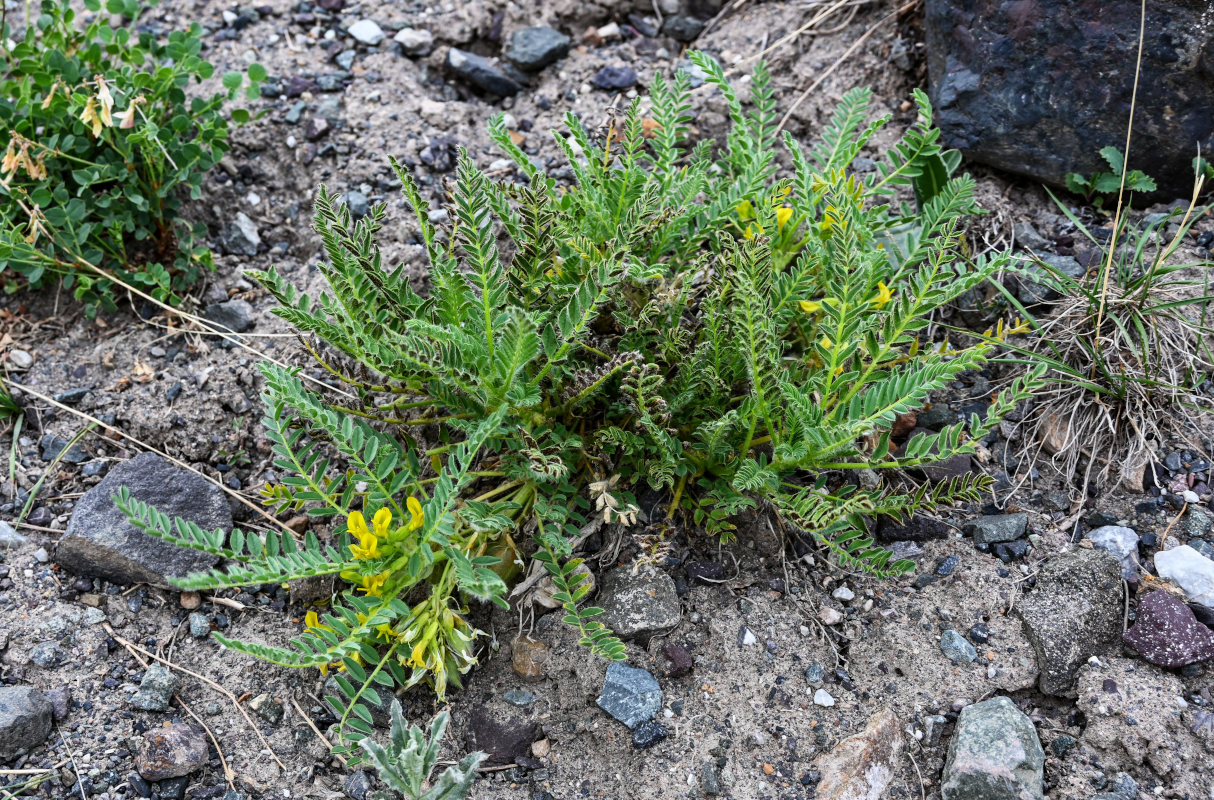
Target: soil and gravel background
{"x":767,"y":656}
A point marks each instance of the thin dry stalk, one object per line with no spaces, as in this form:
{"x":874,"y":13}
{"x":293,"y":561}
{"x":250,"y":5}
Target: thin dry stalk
{"x":134,"y":647}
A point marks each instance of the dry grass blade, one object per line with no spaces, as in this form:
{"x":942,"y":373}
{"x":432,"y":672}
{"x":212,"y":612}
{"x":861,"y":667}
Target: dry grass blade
{"x":118,"y":432}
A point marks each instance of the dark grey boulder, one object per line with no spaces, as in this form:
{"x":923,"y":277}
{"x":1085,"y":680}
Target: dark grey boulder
{"x":102,"y":543}
{"x":1039,"y":88}
{"x":481,"y":73}
{"x":532,"y":49}
{"x":231,"y":316}
{"x":25,"y":719}
{"x":1073,"y":612}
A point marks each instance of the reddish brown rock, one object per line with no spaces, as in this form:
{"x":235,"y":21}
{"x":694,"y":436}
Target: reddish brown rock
{"x":171,"y":752}
{"x":1167,"y":634}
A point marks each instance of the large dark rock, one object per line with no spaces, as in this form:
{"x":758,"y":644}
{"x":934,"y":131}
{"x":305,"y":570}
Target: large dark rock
{"x":25,"y":719}
{"x":101,"y":542}
{"x":481,"y":73}
{"x":1037,"y":87}
{"x":1073,"y":612}
{"x":532,"y":49}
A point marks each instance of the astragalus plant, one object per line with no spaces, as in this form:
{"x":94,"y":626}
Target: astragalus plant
{"x":679,"y":317}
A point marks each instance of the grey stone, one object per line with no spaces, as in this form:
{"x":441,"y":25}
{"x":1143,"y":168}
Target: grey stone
{"x":710,"y":781}
{"x":345,"y":59}
{"x":481,"y":73}
{"x":682,"y":27}
{"x":1072,"y":612}
{"x":200,"y":625}
{"x":519,"y":697}
{"x":9,"y":536}
{"x":994,"y":755}
{"x":1197,"y":523}
{"x":101,"y":542}
{"x":366,"y":31}
{"x":630,"y":694}
{"x":266,"y":707}
{"x":1022,"y":87}
{"x":997,"y":528}
{"x":231,"y":316}
{"x":171,"y":752}
{"x":1203,"y":548}
{"x":958,"y":650}
{"x":25,"y":719}
{"x":1189,"y":570}
{"x":638,"y":604}
{"x":19,"y":359}
{"x":532,"y":49}
{"x":615,"y":79}
{"x":415,"y":42}
{"x":1122,"y":543}
{"x":61,"y":702}
{"x":47,"y":655}
{"x":358,"y":785}
{"x":933,"y":728}
{"x":239,"y":236}
{"x":52,"y":446}
{"x":648,"y":734}
{"x":1027,"y":237}
{"x":358,"y":204}
{"x":156,"y":690}
{"x":317,"y":127}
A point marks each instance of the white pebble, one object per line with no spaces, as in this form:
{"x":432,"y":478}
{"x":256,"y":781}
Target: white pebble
{"x":823,"y":698}
{"x":844,"y":594}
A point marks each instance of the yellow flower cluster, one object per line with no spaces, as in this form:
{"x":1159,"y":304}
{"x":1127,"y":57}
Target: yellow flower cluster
{"x":369,"y":540}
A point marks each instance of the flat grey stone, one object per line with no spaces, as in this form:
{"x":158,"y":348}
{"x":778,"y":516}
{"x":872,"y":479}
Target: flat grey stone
{"x":156,"y":690}
{"x":997,"y":528}
{"x":630,"y":694}
{"x":640,"y":604}
{"x":101,"y":542}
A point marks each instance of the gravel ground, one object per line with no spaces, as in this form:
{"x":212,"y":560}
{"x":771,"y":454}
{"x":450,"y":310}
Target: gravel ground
{"x":777,"y":656}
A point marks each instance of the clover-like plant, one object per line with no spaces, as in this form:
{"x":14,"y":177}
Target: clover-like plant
{"x":103,"y":146}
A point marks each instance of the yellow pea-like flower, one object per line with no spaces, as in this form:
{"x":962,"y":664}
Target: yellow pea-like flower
{"x":810,"y":306}
{"x":783,"y":215}
{"x":884,"y":295}
{"x":417,"y":516}
{"x":368,"y":544}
